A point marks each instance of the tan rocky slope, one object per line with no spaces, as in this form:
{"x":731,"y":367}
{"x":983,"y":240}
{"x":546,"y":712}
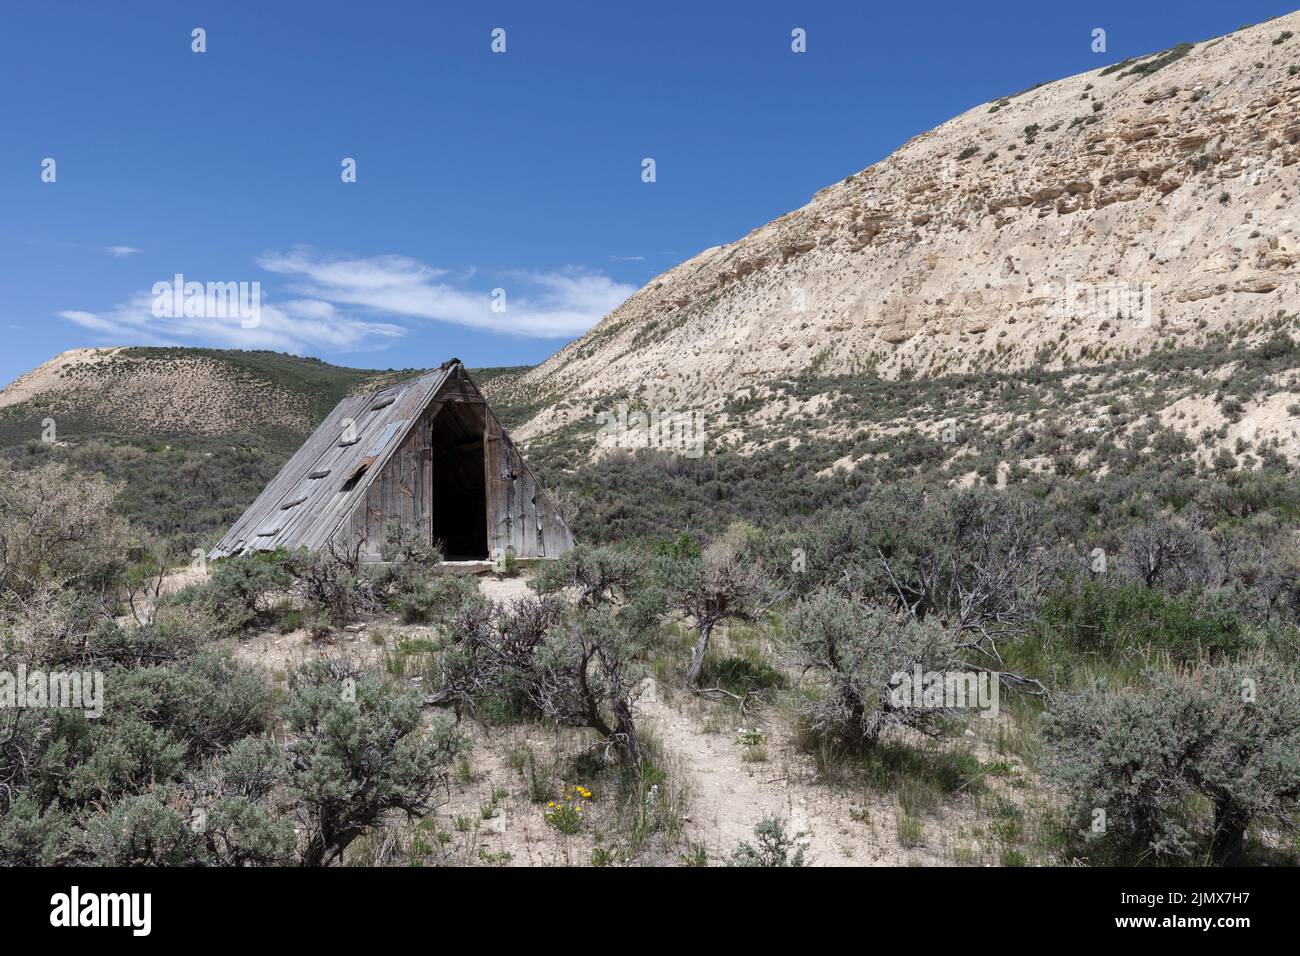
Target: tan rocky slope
{"x":1163,"y":192}
{"x":172,"y":392}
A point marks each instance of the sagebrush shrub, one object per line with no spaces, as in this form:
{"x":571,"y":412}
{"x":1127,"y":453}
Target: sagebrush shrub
{"x":57,"y":527}
{"x":238,"y":588}
{"x":856,"y":649}
{"x":358,"y":750}
{"x":725,"y":582}
{"x":333,"y":584}
{"x":1131,"y":758}
{"x":578,"y":666}
{"x":594,"y":575}
{"x":774,"y":847}
{"x":435,"y":598}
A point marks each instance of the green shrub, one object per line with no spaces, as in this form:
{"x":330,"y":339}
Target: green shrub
{"x":238,"y":588}
{"x":334,"y":585}
{"x":774,"y":847}
{"x":207,"y":704}
{"x":1131,"y":760}
{"x":241,"y":831}
{"x":32,"y":836}
{"x":587,"y":672}
{"x":727,"y":582}
{"x":141,"y":830}
{"x":741,"y":674}
{"x":159,"y":723}
{"x":857,"y":649}
{"x":596,"y":575}
{"x":489,"y":668}
{"x":439,"y":597}
{"x":359,"y":750}
{"x":1118,"y":621}
{"x":57,"y":528}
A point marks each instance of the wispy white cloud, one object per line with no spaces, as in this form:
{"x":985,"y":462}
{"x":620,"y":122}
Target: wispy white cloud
{"x":542,"y":304}
{"x":292,"y":326}
{"x":345,"y":304}
{"x":628,"y":258}
{"x":121,"y":252}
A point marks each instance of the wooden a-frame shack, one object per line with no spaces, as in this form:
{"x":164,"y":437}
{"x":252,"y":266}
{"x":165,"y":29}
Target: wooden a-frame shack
{"x":427,"y":454}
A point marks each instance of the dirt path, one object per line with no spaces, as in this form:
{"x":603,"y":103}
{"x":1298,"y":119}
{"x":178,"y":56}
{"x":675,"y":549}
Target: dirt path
{"x":728,"y":795}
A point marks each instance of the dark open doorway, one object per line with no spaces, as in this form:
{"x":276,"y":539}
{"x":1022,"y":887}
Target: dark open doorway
{"x":459,"y":482}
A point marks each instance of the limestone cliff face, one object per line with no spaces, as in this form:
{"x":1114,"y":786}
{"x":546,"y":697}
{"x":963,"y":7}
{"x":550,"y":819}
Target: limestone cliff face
{"x":1097,"y":216}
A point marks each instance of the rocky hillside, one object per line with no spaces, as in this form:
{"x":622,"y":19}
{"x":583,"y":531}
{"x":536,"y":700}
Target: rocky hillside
{"x":1146,"y":204}
{"x":174,"y":393}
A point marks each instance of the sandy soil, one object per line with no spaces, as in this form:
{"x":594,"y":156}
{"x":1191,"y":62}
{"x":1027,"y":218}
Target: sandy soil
{"x":729,"y":795}
{"x":504,"y":589}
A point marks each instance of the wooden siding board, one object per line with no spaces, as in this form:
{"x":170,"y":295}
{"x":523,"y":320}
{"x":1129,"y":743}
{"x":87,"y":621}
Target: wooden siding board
{"x":425,"y":465}
{"x":496,"y":490}
{"x":406,"y":485}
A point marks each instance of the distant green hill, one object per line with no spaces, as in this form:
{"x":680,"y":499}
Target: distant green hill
{"x":176,"y":393}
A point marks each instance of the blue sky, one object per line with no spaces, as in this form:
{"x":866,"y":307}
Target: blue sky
{"x":475,"y":171}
